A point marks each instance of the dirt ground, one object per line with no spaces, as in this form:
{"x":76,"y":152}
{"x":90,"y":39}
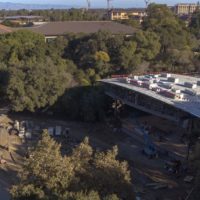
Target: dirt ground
{"x":144,"y":171}
{"x":148,"y":172}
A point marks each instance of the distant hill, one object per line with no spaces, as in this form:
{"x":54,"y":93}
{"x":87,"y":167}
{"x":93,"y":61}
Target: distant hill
{"x":18,"y":6}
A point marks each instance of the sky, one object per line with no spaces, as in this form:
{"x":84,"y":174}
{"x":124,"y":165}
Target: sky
{"x":100,"y":3}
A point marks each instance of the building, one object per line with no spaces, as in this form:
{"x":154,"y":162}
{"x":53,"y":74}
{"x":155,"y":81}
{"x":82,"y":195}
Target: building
{"x":124,"y":14}
{"x":23,"y":19}
{"x":169,"y":96}
{"x":52,"y":30}
{"x":185,"y":8}
{"x":4,"y":29}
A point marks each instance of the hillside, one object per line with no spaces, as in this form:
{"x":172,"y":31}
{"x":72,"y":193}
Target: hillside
{"x":17,"y":6}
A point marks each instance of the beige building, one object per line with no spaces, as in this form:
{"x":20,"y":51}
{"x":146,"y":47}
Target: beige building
{"x":122,"y":14}
{"x":185,"y":8}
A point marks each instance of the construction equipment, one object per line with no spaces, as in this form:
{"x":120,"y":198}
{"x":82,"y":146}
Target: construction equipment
{"x":173,"y":166}
{"x":149,"y":149}
{"x":188,"y":179}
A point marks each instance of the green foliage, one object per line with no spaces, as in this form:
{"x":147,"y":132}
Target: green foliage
{"x":83,"y":196}
{"x":33,"y":80}
{"x":27,"y":192}
{"x":55,"y":14}
{"x":102,"y":56}
{"x":46,"y":167}
{"x":131,"y":22}
{"x":173,"y":34}
{"x":127,"y":58}
{"x":56,"y":47}
{"x":85,"y":174}
{"x":36,"y":85}
{"x":21,"y":46}
{"x":3,"y":79}
{"x":111,"y":197}
{"x":11,"y":23}
{"x":111,"y":176}
{"x":195,"y":23}
{"x":35,"y":75}
{"x":160,"y":16}
{"x":148,"y":44}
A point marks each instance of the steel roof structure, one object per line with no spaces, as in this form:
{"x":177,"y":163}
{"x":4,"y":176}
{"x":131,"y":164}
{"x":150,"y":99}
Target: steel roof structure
{"x":187,"y":86}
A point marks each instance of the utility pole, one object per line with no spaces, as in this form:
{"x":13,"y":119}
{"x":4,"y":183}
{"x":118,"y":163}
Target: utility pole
{"x":108,"y":4}
{"x":108,"y":8}
{"x":88,"y":4}
{"x":147,"y":2}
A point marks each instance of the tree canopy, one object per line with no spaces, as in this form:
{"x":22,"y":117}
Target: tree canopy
{"x":34,"y":79}
{"x":35,"y":75}
{"x":53,"y":15}
{"x":175,"y":38}
{"x":84,"y":174}
{"x":195,"y":23}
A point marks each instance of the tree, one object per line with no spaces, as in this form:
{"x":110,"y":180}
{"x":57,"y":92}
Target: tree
{"x":81,"y":175}
{"x":160,"y":16}
{"x":128,"y":58}
{"x":83,"y":196}
{"x":172,"y":32}
{"x":32,"y":86}
{"x":56,"y":48}
{"x":111,"y":197}
{"x":148,"y":44}
{"x":112,"y":176}
{"x":27,"y":192}
{"x":21,"y":46}
{"x":102,"y":56}
{"x":54,"y":15}
{"x":135,"y":23}
{"x":46,"y":174}
{"x":34,"y":77}
{"x":114,"y":45}
{"x":3,"y":79}
{"x":180,"y":60}
{"x":195,"y":23}
{"x":101,"y":65}
{"x":102,"y":172}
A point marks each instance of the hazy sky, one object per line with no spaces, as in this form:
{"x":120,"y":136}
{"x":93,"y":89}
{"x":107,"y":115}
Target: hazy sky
{"x":100,"y":3}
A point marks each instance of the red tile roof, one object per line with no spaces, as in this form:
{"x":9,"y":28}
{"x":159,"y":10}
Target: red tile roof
{"x":5,"y":29}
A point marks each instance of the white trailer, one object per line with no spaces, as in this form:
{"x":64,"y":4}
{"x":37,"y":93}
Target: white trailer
{"x":51,"y":131}
{"x":58,"y":131}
